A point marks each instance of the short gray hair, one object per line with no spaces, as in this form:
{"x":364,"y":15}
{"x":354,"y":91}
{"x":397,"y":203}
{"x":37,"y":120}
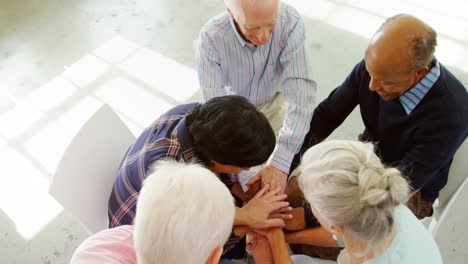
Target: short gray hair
{"x":183,"y":213}
{"x":234,"y":6}
{"x":423,"y":48}
{"x":348,"y":185}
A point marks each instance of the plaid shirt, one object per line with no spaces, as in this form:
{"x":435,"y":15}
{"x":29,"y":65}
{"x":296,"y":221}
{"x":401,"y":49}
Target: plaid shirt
{"x":166,"y":138}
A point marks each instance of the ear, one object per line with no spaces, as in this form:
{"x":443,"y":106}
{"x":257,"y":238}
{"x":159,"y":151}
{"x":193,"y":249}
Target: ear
{"x":230,"y":13}
{"x":215,"y":256}
{"x":337,"y":230}
{"x":422,"y":71}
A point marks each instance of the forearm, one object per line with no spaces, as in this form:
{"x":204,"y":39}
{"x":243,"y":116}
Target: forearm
{"x":240,"y":228}
{"x":299,"y":90}
{"x":279,"y":248}
{"x":241,"y":231}
{"x":317,"y":236}
{"x":296,"y":123}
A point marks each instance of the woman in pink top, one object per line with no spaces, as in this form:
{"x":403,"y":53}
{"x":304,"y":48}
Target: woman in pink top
{"x":108,"y":246}
{"x":185,"y":214}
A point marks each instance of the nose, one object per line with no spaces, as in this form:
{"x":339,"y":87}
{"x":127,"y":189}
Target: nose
{"x":263,"y":36}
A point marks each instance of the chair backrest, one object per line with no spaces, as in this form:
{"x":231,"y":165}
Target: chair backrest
{"x":84,"y":177}
{"x":458,"y":173}
{"x":450,"y":231}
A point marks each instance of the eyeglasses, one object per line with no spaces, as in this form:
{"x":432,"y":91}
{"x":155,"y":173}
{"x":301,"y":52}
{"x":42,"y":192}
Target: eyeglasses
{"x":256,"y":29}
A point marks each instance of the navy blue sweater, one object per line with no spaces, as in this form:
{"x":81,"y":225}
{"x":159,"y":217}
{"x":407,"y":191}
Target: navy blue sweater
{"x":421,"y":144}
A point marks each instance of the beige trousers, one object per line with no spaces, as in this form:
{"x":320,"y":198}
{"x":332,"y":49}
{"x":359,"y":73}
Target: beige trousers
{"x":275,"y":111}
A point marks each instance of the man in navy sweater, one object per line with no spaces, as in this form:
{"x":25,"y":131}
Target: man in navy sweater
{"x":413,"y":108}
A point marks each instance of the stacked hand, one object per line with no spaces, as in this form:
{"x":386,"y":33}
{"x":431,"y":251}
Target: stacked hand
{"x":262,"y":237}
{"x":272,"y":176}
{"x":259,"y":245}
{"x":262,"y":242}
{"x":267,"y":209}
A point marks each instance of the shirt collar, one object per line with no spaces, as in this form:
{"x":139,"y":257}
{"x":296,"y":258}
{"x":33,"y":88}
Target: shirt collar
{"x":182,"y":135}
{"x":411,"y":98}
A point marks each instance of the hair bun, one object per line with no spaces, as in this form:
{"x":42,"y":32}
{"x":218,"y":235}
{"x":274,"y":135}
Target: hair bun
{"x":382,"y":187}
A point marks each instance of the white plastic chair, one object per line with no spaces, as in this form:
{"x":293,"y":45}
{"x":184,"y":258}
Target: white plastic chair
{"x":451,"y":231}
{"x":457,"y":174}
{"x":84,"y":177}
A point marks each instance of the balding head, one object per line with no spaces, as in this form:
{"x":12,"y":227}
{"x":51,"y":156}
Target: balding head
{"x":255,"y":19}
{"x":399,"y":55}
{"x":241,"y":7}
{"x":404,"y":40}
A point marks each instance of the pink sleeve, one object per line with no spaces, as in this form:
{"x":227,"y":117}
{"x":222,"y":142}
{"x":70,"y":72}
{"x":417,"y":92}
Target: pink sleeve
{"x":108,"y":247}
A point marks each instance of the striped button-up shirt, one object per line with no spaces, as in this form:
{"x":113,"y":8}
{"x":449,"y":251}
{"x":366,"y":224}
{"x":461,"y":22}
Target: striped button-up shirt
{"x":411,"y":98}
{"x":166,"y":138}
{"x":227,"y":64}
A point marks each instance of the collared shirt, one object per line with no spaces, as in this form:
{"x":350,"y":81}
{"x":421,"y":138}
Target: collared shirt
{"x":166,"y":138}
{"x":411,"y":98}
{"x":227,"y":64}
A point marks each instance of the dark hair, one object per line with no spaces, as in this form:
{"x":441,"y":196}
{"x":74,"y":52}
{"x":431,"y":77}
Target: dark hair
{"x":230,"y":130}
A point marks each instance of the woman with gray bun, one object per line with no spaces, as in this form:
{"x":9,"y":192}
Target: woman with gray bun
{"x":360,"y":203}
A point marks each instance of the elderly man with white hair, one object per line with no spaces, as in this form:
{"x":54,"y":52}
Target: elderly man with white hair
{"x":256,"y":49}
{"x":184,"y":214}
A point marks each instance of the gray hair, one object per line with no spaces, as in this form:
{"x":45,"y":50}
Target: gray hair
{"x":348,"y":185}
{"x":183,"y":213}
{"x":423,"y":48}
{"x":235,"y":5}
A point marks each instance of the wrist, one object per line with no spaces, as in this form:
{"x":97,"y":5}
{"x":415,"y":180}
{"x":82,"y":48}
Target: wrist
{"x":276,"y":234}
{"x":241,"y":217}
{"x":280,"y":169}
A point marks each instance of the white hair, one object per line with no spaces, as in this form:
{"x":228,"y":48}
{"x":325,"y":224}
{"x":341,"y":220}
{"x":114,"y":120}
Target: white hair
{"x":236,"y":5}
{"x":183,"y":213}
{"x":348,"y":185}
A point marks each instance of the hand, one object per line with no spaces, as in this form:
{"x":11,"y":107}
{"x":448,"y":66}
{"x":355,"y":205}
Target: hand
{"x":268,"y":233}
{"x":252,"y":191}
{"x":260,"y":248}
{"x":284,"y":213}
{"x":258,"y":210}
{"x":237,"y":191}
{"x":271,"y":176}
{"x":297,"y":221}
{"x":279,"y":249}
